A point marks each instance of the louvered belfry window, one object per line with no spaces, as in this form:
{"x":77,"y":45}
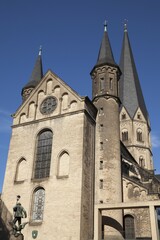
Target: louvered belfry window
{"x":38,"y":204}
{"x":43,"y":154}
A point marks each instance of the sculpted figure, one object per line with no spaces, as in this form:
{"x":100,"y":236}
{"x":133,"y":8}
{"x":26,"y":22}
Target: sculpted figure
{"x":19,"y":213}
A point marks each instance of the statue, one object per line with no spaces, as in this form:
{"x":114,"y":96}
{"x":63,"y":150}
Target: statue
{"x":19,"y":213}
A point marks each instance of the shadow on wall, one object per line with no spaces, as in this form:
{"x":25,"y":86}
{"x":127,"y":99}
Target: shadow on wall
{"x":112,"y":223}
{"x":5,"y":218}
{"x":4,"y":233}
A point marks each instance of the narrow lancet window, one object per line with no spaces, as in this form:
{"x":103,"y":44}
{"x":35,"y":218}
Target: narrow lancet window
{"x":101,"y":146}
{"x":38,"y":205}
{"x":111,"y":83}
{"x":43,"y":154}
{"x":101,"y":83}
{"x":139,"y":135}
{"x":101,"y":184}
{"x":141,"y":162}
{"x":101,"y":165}
{"x":124,"y":135}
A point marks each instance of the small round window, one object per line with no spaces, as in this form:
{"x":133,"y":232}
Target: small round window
{"x":48,"y":105}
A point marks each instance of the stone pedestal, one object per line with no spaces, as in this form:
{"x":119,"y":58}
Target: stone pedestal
{"x":20,"y":237}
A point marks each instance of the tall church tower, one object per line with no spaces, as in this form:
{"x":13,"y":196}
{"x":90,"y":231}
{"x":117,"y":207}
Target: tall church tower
{"x":108,"y":186}
{"x":51,"y":160}
{"x":134,"y":119}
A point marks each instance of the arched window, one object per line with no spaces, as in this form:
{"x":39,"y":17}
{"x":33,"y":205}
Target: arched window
{"x":101,"y":83}
{"x":21,"y":170}
{"x":139,"y":135}
{"x":141,"y":162}
{"x":129,"y":227}
{"x":43,"y":154}
{"x":38,"y":204}
{"x":63,"y":165}
{"x":111,"y":83}
{"x":124,"y":135}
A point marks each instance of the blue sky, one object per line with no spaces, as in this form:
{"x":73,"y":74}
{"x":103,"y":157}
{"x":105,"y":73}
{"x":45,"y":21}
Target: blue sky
{"x":70,"y":33}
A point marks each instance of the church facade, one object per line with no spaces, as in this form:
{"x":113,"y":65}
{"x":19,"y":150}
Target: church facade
{"x":69,"y":154}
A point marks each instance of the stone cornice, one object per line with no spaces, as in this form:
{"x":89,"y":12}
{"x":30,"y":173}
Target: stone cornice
{"x":54,"y":117}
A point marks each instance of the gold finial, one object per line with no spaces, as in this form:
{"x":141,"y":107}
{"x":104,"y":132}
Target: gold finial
{"x":125,"y":25}
{"x":105,"y":26}
{"x":40,"y":51}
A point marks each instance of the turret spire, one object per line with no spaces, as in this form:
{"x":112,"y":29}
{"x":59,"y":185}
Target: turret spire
{"x":104,"y":80}
{"x":105,"y":55}
{"x":36,"y":76}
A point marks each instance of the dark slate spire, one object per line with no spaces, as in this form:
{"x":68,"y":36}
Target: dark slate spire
{"x":105,"y":55}
{"x":36,"y":75}
{"x":130,"y":90}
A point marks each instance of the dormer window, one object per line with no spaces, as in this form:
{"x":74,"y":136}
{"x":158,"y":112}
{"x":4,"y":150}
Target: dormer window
{"x":123,"y":116}
{"x":139,"y":116}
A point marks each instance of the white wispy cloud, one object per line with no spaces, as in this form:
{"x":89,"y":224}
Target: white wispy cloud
{"x":5,"y":112}
{"x":5,"y":120}
{"x":155,"y":140}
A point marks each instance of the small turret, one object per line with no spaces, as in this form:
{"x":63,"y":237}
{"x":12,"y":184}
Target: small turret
{"x":105,"y":80}
{"x":35,"y":78}
{"x":106,"y":73}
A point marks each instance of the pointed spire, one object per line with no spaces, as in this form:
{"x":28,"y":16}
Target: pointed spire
{"x":37,"y":73}
{"x":105,"y":55}
{"x":130,"y":90}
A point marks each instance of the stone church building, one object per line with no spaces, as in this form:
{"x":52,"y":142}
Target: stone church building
{"x":83,"y":168}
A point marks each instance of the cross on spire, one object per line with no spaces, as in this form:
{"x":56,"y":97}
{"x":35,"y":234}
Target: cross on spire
{"x":40,"y":51}
{"x":125,"y":25}
{"x":105,"y":26}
